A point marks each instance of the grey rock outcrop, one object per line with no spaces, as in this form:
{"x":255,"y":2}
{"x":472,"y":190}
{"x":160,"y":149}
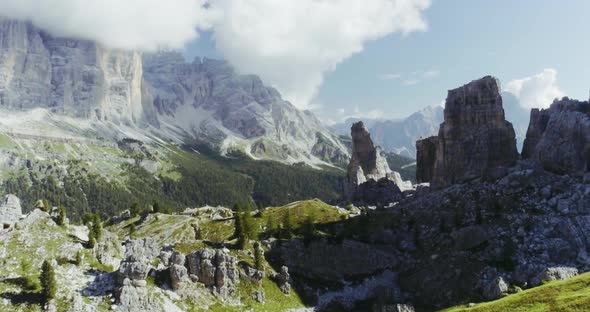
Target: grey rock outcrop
{"x":132,"y":274}
{"x":178,"y":271}
{"x":474,"y":138}
{"x":216,"y":269}
{"x":554,"y":274}
{"x":494,"y":288}
{"x":283,"y":279}
{"x":368,"y":168}
{"x":558,"y":138}
{"x":10,"y":211}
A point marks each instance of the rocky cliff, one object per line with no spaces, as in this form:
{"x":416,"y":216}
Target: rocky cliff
{"x":558,"y":138}
{"x":71,"y":77}
{"x":474,"y":137}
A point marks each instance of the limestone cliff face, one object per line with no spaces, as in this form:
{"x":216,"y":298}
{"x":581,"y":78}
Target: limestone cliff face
{"x":558,"y":138}
{"x":72,"y":77}
{"x":475,"y":136}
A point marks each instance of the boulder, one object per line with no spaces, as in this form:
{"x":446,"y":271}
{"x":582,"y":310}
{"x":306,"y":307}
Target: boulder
{"x":554,"y":274}
{"x":558,"y":138}
{"x":495,"y":288}
{"x":473,"y":139}
{"x":10,"y":211}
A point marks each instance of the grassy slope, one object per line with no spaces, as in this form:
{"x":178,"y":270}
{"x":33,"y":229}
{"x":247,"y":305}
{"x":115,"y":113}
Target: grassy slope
{"x":571,"y":295}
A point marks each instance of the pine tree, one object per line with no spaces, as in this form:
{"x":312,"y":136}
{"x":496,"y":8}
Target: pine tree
{"x":91,"y":239}
{"x":271,"y":226}
{"x":308,"y":229}
{"x":132,"y":231}
{"x":47,"y":279}
{"x":97,"y":227}
{"x":156,"y":207}
{"x":78,"y":257}
{"x":258,"y":257}
{"x":61,"y":220}
{"x":134,"y":210}
{"x":288,"y":224}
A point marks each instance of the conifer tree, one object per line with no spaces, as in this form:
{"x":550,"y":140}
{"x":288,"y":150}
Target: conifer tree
{"x":47,"y":279}
{"x":258,"y":257}
{"x":97,"y":227}
{"x":288,"y":224}
{"x":61,"y":219}
{"x":134,"y":210}
{"x":91,"y":239}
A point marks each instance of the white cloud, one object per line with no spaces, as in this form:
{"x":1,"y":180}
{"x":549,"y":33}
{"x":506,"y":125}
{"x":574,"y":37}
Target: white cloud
{"x":125,"y":24}
{"x":536,"y":91}
{"x":412,"y":78}
{"x":293,"y":44}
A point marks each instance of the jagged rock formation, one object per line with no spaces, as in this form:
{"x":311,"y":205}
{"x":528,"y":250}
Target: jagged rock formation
{"x":399,"y":136}
{"x":10,"y":211}
{"x":132,"y":274}
{"x":558,"y":138}
{"x":216,"y":269}
{"x":369,"y":175}
{"x":474,"y":138}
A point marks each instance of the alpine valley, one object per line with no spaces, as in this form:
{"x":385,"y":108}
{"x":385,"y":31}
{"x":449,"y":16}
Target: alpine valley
{"x":134,"y":182}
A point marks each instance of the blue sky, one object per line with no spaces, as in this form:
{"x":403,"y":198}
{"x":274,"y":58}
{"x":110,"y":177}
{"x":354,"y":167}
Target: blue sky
{"x":466,"y":39}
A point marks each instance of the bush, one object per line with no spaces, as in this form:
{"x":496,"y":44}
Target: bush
{"x":61,"y":219}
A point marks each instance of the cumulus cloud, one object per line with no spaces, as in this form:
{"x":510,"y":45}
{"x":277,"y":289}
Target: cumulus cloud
{"x":537,"y":91}
{"x":125,"y":24}
{"x":293,"y":44}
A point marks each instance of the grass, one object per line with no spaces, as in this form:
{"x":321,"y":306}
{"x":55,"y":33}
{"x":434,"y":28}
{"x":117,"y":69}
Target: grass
{"x":571,"y":295}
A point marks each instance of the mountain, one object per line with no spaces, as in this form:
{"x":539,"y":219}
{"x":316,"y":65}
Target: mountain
{"x":399,"y":136}
{"x":203,"y":102}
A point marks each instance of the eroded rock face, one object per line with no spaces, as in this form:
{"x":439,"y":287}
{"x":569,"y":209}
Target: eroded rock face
{"x":10,"y":210}
{"x":369,"y":178}
{"x":558,"y":138}
{"x":474,"y":138}
{"x":217,"y":269}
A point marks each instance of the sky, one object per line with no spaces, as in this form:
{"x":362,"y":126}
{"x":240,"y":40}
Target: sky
{"x":541,"y":44}
{"x":344,"y":58}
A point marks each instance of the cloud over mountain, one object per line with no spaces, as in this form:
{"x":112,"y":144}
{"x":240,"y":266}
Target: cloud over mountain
{"x":290,"y":44}
{"x":536,"y":91}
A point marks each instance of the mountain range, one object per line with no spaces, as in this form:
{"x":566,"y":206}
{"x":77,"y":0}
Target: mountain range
{"x":158,"y":96}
